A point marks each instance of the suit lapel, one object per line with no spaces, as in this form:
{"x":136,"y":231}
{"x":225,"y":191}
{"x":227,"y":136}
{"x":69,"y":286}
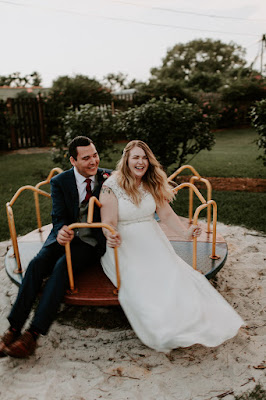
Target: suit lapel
{"x":98,"y":186}
{"x":73,"y":195}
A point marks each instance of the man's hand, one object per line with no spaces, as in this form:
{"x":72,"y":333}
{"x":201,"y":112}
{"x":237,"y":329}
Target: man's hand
{"x":65,"y":235}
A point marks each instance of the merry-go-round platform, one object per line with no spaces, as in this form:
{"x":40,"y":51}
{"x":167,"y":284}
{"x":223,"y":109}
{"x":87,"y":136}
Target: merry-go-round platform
{"x":207,"y":253}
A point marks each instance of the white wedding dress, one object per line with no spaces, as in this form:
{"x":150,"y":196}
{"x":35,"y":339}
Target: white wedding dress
{"x":166,"y":301}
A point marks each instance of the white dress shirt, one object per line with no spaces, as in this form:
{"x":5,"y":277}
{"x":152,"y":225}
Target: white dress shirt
{"x":81,"y":184}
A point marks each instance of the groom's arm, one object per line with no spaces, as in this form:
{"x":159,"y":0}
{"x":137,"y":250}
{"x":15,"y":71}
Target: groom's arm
{"x":60,"y":214}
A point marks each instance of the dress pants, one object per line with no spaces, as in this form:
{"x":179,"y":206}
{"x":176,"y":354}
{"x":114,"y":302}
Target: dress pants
{"x":49,"y":263}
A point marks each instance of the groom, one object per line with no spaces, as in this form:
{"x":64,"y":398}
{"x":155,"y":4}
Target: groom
{"x":70,"y":192}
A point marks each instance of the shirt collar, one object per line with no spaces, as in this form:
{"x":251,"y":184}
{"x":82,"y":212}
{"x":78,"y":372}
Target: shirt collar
{"x":80,"y":178}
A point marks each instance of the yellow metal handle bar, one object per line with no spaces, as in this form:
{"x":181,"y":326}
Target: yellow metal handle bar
{"x":49,"y":177}
{"x":13,"y":235}
{"x":11,"y":221}
{"x":192,"y":187}
{"x":92,"y":201}
{"x":36,"y":195}
{"x":27,"y":187}
{"x":68,"y":253}
{"x":209,"y":197}
{"x":177,"y":172}
{"x":195,"y":221}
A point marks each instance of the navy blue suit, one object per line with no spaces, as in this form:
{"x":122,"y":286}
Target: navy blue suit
{"x":50,"y":262}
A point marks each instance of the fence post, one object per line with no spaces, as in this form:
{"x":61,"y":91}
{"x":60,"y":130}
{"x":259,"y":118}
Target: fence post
{"x":41,"y":120}
{"x":14,"y":144}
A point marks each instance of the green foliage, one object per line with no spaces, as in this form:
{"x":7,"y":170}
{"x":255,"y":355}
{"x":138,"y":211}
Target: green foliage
{"x":165,"y":88}
{"x":207,"y":81}
{"x":118,"y":81}
{"x":244,"y":89}
{"x":26,"y":95}
{"x":79,"y":90}
{"x":95,"y":122}
{"x":258,"y":116}
{"x":173,"y":130}
{"x":204,"y":62}
{"x":16,"y":80}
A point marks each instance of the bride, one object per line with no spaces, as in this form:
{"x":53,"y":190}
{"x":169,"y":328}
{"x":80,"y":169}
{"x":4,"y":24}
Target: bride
{"x":166,"y":301}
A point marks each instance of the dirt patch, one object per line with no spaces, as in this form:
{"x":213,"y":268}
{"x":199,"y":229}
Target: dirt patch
{"x":230,"y":184}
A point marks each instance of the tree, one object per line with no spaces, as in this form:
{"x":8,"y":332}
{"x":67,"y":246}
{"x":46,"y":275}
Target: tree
{"x":174,"y":130}
{"x":258,"y":116}
{"x":80,"y":90}
{"x":166,"y":88}
{"x":118,"y":81}
{"x":16,"y":80}
{"x":201,"y":61}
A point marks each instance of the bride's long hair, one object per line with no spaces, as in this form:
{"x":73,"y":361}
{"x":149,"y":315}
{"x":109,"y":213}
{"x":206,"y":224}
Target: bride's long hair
{"x":154,"y":180}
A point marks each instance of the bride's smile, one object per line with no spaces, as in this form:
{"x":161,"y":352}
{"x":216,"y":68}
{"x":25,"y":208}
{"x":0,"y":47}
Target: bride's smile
{"x":138,"y":162}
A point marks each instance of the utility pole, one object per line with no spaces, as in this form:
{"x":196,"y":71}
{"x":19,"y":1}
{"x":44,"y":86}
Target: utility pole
{"x":263,"y":45}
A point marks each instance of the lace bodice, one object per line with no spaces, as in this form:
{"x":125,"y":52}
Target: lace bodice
{"x":128,"y":212}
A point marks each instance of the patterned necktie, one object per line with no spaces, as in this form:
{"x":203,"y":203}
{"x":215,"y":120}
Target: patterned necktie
{"x":88,"y":190}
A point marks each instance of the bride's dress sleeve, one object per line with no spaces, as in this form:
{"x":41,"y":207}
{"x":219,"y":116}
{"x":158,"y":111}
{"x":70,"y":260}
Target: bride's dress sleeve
{"x":113,"y":185}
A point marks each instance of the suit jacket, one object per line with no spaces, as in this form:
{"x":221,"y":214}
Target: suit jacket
{"x":65,"y":204}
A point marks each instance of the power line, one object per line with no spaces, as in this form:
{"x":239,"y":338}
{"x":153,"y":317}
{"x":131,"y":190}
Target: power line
{"x":189,"y":12}
{"x":130,"y":20}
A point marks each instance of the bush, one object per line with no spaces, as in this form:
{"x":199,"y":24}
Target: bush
{"x":95,"y":122}
{"x":258,"y":116}
{"x":172,"y":129}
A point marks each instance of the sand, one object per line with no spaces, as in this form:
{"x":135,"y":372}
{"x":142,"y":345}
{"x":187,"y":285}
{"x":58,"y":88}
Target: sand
{"x":93,"y":354}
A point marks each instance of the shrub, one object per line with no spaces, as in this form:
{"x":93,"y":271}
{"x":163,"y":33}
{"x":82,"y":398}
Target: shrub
{"x":95,"y":122}
{"x":172,"y":129}
{"x":258,"y":116}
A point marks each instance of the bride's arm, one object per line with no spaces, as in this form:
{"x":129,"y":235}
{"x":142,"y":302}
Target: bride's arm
{"x":109,"y":215}
{"x":169,"y":218}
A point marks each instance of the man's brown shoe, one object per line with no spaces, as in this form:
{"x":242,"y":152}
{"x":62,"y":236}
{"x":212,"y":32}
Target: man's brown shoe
{"x":8,"y":338}
{"x":23,"y":347}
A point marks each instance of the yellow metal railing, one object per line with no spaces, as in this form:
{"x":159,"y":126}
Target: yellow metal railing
{"x":10,"y":215}
{"x":36,"y":194}
{"x":90,"y":224}
{"x":192,"y":189}
{"x":204,"y":204}
{"x":192,"y":180}
{"x":195,"y":220}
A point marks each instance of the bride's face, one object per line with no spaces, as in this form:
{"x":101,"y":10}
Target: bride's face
{"x":138,"y":162}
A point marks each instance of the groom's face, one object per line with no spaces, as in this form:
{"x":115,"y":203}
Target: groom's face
{"x":87,"y":161}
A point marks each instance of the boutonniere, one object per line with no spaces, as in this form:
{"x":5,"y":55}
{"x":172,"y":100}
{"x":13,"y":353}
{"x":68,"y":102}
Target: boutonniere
{"x":106,"y":175}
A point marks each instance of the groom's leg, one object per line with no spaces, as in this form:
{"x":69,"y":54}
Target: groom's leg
{"x":82,"y":255}
{"x":39,"y":268}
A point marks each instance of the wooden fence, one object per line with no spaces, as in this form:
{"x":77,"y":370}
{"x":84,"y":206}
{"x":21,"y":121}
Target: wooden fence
{"x":27,"y":128}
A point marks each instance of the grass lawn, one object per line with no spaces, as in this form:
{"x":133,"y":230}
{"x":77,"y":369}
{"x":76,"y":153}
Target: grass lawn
{"x":234,"y":154}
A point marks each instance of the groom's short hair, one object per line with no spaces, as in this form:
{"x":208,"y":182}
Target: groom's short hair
{"x":76,"y":142}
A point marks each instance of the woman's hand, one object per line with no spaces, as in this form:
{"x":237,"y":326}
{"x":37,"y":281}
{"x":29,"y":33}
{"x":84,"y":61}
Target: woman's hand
{"x":193,"y":231}
{"x":113,"y":240}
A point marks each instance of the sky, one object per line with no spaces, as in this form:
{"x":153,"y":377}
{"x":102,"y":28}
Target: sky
{"x":95,"y":38}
